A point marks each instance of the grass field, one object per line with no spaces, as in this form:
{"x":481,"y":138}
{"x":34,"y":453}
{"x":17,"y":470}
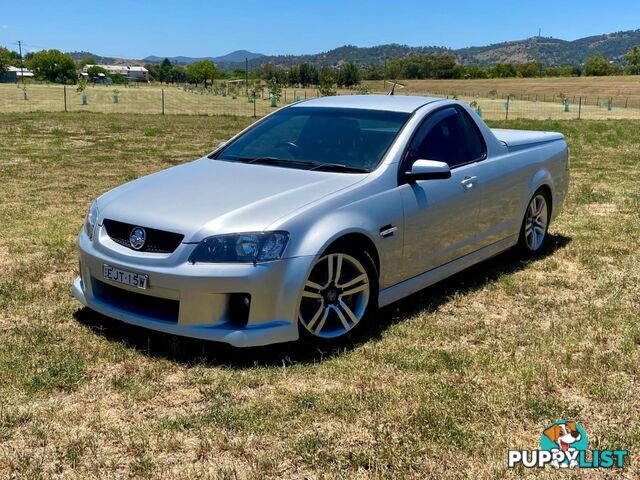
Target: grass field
{"x":448,"y":380}
{"x":591,"y":89}
{"x":138,"y":99}
{"x":532,"y":98}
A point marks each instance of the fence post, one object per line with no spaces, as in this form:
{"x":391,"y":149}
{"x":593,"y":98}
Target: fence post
{"x":626,"y":102}
{"x":65,"y":97}
{"x":163,"y":101}
{"x":580,"y":108}
{"x":506,"y":114}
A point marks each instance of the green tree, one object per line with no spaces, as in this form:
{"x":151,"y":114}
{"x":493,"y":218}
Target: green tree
{"x":445,"y":66}
{"x":164,"y":70}
{"x":293,"y":76}
{"x":348,"y":75}
{"x":4,"y":60}
{"x":275,"y":89}
{"x":95,"y":70}
{"x":53,"y":65}
{"x":308,"y":75}
{"x":374,"y":72}
{"x":504,"y":70}
{"x":597,"y":66}
{"x":529,"y":69}
{"x":327,"y":79}
{"x":8,"y":58}
{"x":268,"y":70}
{"x":476,"y":72}
{"x":633,"y":60}
{"x":178,"y":74}
{"x":238,"y":73}
{"x":202,"y":72}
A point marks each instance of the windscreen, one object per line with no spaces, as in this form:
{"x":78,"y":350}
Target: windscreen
{"x":318,"y":137}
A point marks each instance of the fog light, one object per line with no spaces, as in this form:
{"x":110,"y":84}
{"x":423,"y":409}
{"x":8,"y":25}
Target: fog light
{"x":239,"y":307}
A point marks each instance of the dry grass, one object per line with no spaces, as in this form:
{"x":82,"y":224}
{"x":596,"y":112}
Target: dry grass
{"x":138,"y":99}
{"x":443,"y":386}
{"x":590,"y":88}
{"x":532,"y":98}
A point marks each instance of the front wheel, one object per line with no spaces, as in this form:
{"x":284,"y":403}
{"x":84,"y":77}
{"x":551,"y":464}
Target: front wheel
{"x":533,"y":232}
{"x":338,"y":297}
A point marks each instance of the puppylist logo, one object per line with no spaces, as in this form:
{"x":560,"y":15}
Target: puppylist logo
{"x":564,"y":444}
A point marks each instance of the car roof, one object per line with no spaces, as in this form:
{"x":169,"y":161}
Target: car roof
{"x":390,"y":103}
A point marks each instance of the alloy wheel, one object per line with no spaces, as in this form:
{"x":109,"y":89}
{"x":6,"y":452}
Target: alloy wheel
{"x":535,"y":227}
{"x":335,"y":296}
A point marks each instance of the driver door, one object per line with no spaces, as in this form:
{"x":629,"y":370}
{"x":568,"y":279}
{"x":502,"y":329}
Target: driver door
{"x":441,"y":216}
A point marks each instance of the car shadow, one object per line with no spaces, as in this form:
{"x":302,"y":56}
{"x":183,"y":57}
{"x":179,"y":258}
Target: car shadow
{"x":192,"y":352}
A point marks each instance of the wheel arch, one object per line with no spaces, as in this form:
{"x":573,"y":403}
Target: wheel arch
{"x":541,"y":180}
{"x":547,"y":190}
{"x":359,"y":239}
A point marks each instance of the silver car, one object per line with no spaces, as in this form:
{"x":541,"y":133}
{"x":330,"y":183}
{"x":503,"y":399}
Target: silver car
{"x":313,"y":217}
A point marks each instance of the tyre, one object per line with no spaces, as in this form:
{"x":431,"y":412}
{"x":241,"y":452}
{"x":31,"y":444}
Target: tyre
{"x":535,"y":224}
{"x":339,"y":296}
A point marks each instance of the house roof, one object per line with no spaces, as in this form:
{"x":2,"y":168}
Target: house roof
{"x":25,"y":72}
{"x":118,"y":68}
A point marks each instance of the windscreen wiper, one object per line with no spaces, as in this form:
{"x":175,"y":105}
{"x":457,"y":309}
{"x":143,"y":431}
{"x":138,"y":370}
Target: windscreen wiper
{"x":280,"y":161}
{"x":338,"y":167}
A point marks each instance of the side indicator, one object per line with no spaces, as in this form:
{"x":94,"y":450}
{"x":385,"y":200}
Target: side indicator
{"x":388,"y":231}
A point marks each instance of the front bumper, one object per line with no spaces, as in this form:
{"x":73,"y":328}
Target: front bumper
{"x":200,"y":293}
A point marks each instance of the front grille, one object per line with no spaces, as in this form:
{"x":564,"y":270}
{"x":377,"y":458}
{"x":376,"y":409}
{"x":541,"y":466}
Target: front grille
{"x":155,"y":308}
{"x":158,"y":241}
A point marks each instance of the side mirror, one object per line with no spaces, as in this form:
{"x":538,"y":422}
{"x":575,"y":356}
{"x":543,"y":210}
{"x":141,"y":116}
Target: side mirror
{"x":428,"y":170}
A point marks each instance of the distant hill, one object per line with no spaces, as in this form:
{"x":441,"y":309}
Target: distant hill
{"x":348,"y":53}
{"x":77,"y":56}
{"x":234,"y":57}
{"x":549,"y":51}
{"x":552,"y":51}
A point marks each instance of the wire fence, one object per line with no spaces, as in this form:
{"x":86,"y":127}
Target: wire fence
{"x":186,"y":100}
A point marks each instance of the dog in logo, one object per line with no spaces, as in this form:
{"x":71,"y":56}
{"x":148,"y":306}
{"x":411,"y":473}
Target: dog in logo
{"x":563,"y":435}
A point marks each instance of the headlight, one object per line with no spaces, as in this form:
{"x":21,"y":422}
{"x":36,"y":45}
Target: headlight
{"x":90,"y":221}
{"x":241,"y":247}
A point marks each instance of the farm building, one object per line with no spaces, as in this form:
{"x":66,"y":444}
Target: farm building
{"x":134,"y":73}
{"x":13,"y":74}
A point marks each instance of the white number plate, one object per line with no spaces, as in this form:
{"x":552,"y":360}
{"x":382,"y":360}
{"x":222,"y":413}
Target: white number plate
{"x":122,"y":276}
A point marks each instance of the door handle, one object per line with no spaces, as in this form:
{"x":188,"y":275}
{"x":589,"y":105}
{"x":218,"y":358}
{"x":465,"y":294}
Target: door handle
{"x":469,"y":181}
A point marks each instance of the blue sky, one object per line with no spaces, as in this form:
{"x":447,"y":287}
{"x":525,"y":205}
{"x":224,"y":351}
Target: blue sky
{"x":138,"y":28}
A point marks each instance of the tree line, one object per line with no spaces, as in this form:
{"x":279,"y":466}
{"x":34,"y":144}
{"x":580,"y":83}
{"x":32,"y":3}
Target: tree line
{"x":56,"y":66}
{"x":304,"y":75}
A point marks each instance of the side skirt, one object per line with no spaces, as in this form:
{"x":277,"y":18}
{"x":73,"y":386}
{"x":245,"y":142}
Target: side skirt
{"x":417,"y":283}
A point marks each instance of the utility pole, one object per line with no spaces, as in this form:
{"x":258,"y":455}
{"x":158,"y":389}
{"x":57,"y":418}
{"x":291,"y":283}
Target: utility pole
{"x":246,"y":76}
{"x":21,"y":64}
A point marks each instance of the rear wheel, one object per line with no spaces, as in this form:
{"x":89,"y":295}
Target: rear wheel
{"x":533,"y":232}
{"x":339,"y":296}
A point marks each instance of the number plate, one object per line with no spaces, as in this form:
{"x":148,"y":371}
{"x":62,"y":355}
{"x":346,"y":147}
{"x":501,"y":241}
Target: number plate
{"x":122,"y":276}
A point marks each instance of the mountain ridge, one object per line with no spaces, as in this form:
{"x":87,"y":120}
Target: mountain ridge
{"x":236,"y":56}
{"x":547,"y":50}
